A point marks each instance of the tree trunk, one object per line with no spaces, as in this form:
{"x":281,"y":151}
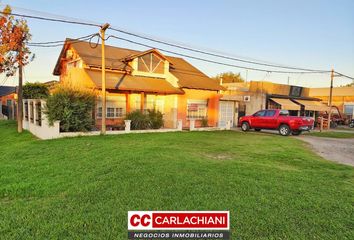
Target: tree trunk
{"x":19,"y":100}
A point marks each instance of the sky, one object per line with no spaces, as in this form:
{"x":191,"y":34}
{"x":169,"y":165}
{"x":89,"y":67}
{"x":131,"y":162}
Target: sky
{"x":315,"y":34}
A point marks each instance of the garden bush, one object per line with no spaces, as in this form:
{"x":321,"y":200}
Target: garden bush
{"x":204,"y":122}
{"x":139,"y":120}
{"x":72,"y":107}
{"x":153,"y":119}
{"x":156,"y":119}
{"x":35,"y":91}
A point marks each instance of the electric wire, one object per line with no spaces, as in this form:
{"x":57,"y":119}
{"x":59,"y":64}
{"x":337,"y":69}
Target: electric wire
{"x":208,"y":60}
{"x":160,"y":41}
{"x":209,"y":53}
{"x":172,"y":45}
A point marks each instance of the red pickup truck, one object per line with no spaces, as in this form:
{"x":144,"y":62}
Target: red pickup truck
{"x":276,"y":119}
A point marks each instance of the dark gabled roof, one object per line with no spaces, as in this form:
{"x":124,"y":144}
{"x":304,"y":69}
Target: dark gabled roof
{"x":117,"y":58}
{"x":7,"y":90}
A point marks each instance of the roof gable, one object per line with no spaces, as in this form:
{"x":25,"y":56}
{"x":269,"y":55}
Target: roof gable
{"x":117,"y":58}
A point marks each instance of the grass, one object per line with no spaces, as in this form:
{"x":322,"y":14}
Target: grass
{"x":332,"y":134}
{"x":82,"y":188}
{"x":345,"y":128}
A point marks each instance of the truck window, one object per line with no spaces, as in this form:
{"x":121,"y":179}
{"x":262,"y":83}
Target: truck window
{"x":284,"y":113}
{"x":270,"y":113}
{"x":260,"y":113}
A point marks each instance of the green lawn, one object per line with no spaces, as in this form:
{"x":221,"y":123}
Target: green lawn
{"x":82,"y":188}
{"x":332,"y":134}
{"x":345,"y":128}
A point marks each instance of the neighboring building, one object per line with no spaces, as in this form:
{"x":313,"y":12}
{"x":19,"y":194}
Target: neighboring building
{"x":8,"y":102}
{"x":247,"y":98}
{"x":140,"y":80}
{"x":342,"y":97}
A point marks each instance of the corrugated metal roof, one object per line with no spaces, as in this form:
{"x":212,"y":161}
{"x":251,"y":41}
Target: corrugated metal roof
{"x":6,"y":90}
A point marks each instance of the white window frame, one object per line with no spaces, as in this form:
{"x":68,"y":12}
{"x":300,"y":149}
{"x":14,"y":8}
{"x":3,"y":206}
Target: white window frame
{"x":200,"y":103}
{"x":116,"y":103}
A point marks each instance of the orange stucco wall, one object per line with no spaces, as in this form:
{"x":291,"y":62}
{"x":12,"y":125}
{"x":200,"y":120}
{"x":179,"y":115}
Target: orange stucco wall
{"x":7,"y":97}
{"x":175,"y":106}
{"x":193,"y":94}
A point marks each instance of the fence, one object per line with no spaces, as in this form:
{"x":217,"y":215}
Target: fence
{"x":37,"y":123}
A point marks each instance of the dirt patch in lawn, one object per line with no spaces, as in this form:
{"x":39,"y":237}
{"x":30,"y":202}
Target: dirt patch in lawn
{"x":219,"y":156}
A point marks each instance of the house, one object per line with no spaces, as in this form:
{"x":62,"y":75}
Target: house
{"x":243,"y":98}
{"x":342,"y":97}
{"x":140,"y":80}
{"x":8,"y":102}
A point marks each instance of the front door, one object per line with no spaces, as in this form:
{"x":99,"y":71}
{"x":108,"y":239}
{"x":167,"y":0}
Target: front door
{"x":226,"y":113}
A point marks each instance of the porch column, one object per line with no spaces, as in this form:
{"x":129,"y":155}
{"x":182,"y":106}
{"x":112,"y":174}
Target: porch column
{"x":142,"y":101}
{"x":127,"y":103}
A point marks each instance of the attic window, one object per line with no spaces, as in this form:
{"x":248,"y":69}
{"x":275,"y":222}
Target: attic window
{"x":150,"y":63}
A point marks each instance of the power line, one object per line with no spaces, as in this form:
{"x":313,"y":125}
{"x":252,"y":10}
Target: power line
{"x":209,"y":53}
{"x":60,"y":42}
{"x":162,"y":42}
{"x":352,"y":78}
{"x":173,"y":45}
{"x":52,"y":19}
{"x":208,"y":60}
{"x":63,"y":41}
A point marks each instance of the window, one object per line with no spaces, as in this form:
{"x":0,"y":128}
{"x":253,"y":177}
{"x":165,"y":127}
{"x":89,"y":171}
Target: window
{"x":260,"y":113}
{"x":284,"y":113}
{"x":115,"y":107}
{"x":197,"y":109}
{"x":119,"y":112}
{"x":110,"y":112}
{"x":270,"y":113}
{"x":349,"y":109}
{"x":99,"y":112}
{"x":151,"y":63}
{"x":295,"y":91}
{"x":153,"y":102}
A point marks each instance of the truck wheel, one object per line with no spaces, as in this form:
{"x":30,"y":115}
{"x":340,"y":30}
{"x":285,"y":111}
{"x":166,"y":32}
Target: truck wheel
{"x":257,"y":129}
{"x":296,"y":132}
{"x":245,"y":126}
{"x":284,"y":130}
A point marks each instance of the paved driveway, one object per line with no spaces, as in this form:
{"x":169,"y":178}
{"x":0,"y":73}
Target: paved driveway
{"x":339,"y":150}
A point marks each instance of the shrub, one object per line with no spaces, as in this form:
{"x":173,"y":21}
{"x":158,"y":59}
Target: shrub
{"x":139,"y":120}
{"x":156,"y":119}
{"x":204,"y":122}
{"x":153,"y":119}
{"x":72,"y":107}
{"x":35,"y":91}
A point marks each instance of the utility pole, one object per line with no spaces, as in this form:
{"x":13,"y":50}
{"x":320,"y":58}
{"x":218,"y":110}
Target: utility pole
{"x":330,"y":100}
{"x":103,"y":30}
{"x":19,"y":93}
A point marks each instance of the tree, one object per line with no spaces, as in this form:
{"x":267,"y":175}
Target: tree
{"x":229,"y":77}
{"x":14,"y":52}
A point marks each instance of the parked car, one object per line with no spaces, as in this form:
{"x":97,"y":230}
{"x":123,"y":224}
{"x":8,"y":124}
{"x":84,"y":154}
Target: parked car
{"x":276,"y":119}
{"x":351,"y":124}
